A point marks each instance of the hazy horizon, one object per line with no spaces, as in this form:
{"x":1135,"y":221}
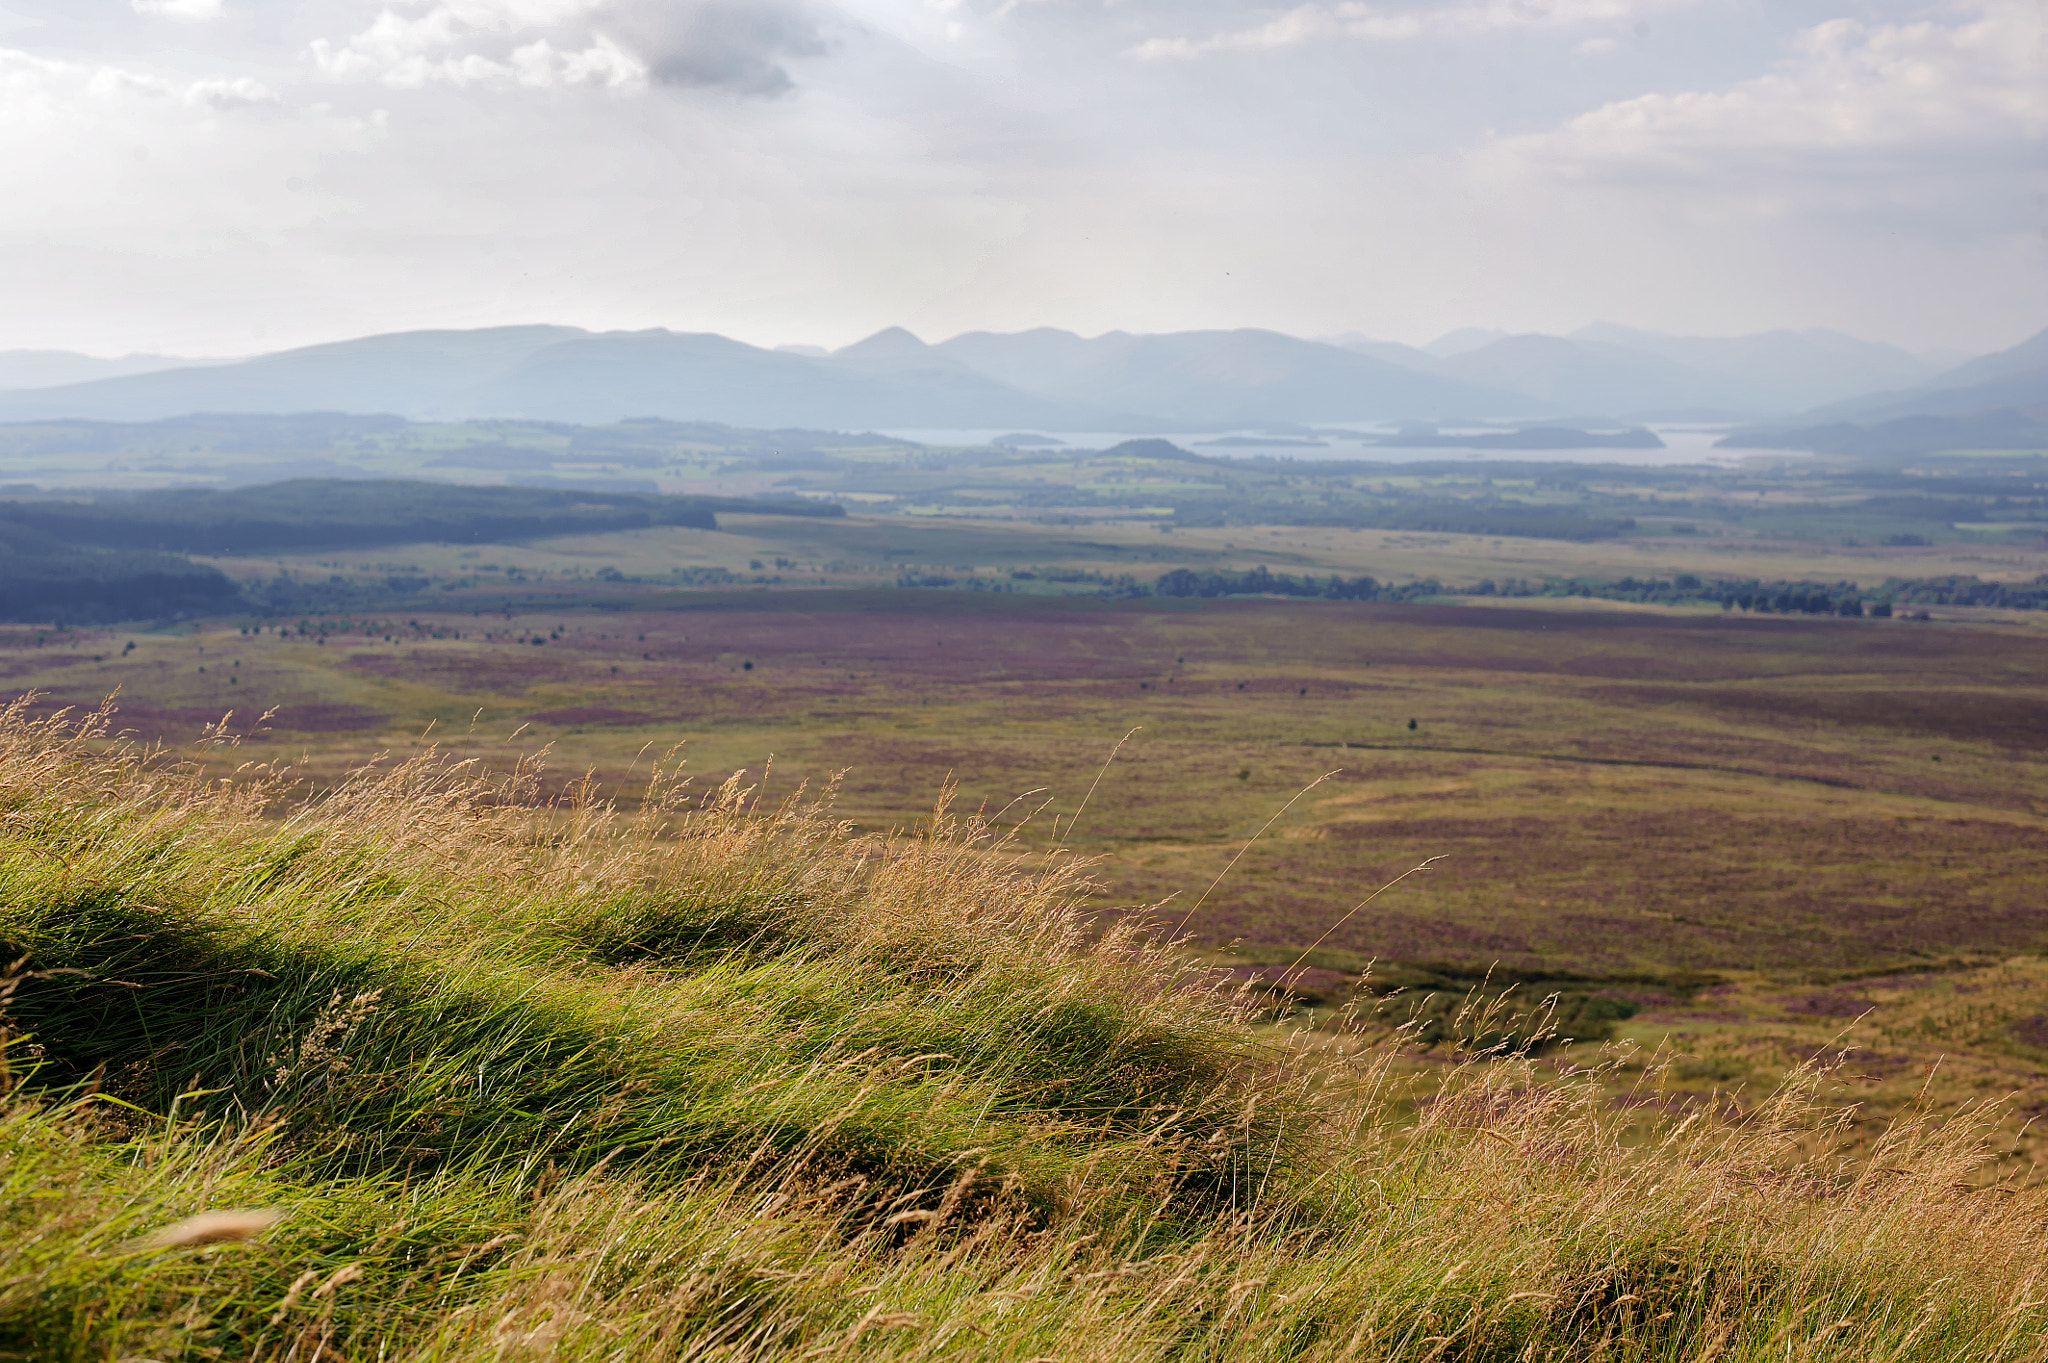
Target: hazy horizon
{"x":1427,"y":344}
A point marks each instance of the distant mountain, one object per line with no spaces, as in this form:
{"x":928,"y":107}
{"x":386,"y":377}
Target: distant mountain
{"x":1786,"y":370}
{"x":1994,"y":402}
{"x":878,"y":383}
{"x":2028,"y":388}
{"x":1593,"y":376}
{"x":2016,"y":377}
{"x":428,"y":374}
{"x":49,"y":368}
{"x":1393,"y":352}
{"x":2003,"y":428}
{"x":567,"y":374}
{"x":1463,"y":339}
{"x":1225,"y":378}
{"x":1042,"y":360}
{"x":892,"y":348}
{"x":1041,"y":380}
{"x":2028,"y":357}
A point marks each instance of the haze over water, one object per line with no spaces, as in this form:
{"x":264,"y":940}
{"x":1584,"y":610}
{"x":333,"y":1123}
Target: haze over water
{"x":1684,"y":445}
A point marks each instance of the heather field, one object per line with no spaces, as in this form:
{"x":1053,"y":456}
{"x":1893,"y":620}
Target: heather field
{"x":1741,"y":833}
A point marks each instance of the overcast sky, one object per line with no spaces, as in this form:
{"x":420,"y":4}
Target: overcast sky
{"x":228,"y":176}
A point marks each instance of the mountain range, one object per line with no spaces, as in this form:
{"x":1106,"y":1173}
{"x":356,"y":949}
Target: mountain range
{"x":1046,"y":379}
{"x":1043,"y":379}
{"x":1994,"y":402}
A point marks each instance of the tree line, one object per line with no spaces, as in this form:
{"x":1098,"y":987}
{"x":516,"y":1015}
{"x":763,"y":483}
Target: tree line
{"x":354,"y":513}
{"x":120,"y":556}
{"x":1749,"y":595}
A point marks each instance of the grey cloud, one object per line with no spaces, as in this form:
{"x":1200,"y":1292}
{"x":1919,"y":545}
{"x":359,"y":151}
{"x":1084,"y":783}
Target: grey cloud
{"x":621,"y":45}
{"x":737,"y":45}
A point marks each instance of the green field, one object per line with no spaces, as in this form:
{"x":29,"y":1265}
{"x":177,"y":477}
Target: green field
{"x":869,"y":550}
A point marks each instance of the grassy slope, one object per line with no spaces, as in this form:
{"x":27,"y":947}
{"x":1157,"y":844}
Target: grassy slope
{"x":724,"y":1082}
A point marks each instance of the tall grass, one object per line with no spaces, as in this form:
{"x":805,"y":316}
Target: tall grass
{"x":513,"y":1078}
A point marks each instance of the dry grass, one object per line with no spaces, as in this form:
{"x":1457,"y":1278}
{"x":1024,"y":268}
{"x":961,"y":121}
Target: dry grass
{"x":535,"y":1079}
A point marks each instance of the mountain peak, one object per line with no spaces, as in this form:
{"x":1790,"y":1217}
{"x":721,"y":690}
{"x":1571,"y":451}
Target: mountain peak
{"x":888,"y":343}
{"x":1464,"y":339}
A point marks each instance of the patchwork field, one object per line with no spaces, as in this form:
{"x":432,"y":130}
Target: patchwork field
{"x":1746,"y":833}
{"x":867,"y":549}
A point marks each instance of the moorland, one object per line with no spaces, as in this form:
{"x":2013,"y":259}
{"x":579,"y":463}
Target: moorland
{"x":410,"y":814}
{"x":1741,"y":832}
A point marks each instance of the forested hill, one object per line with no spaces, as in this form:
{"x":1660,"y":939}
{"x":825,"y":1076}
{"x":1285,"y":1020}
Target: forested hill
{"x":340,"y":513}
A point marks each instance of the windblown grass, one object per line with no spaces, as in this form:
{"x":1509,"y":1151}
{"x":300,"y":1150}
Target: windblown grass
{"x":459,"y":1074}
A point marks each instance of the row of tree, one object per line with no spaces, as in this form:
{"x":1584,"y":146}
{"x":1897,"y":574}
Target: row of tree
{"x":1261,"y":581}
{"x":1750,"y":595}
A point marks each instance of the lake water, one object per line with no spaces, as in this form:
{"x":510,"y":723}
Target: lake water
{"x":1684,"y":445}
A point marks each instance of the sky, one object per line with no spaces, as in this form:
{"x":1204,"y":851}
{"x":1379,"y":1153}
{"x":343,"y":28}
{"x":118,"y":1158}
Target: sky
{"x":224,"y":177}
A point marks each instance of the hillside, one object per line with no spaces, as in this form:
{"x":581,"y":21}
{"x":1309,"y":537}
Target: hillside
{"x":429,"y":1066}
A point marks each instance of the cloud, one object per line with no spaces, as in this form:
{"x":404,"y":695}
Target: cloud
{"x":36,"y":88}
{"x":732,"y":43}
{"x":625,"y":45}
{"x":1381,"y":23}
{"x":1858,"y":113}
{"x":192,"y":10}
{"x":238,"y":92}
